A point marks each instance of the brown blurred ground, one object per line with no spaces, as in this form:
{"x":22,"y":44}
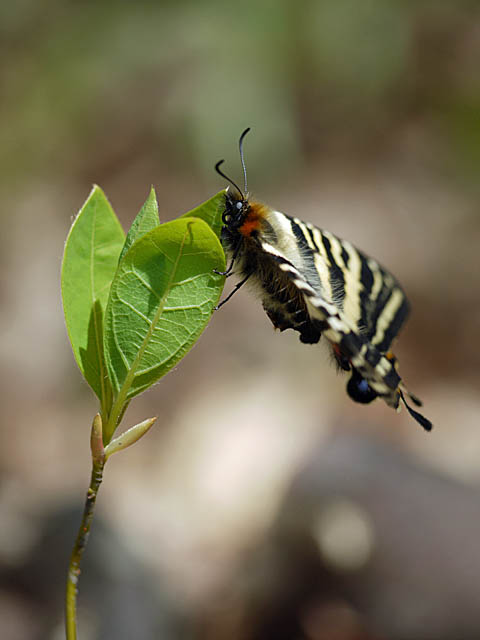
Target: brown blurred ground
{"x":366,"y":121}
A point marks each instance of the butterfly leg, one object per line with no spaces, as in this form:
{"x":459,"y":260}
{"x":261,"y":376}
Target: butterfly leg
{"x":229,"y":270}
{"x":235,"y":289}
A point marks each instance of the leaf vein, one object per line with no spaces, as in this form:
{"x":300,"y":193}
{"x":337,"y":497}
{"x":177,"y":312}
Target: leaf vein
{"x":135,"y":310}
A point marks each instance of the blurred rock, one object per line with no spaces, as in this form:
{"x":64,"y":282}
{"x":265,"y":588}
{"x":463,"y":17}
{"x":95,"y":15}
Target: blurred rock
{"x":410,"y":571}
{"x":117,"y":599}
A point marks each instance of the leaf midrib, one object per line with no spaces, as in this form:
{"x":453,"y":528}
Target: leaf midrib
{"x":98,"y":337}
{"x":124,"y":389}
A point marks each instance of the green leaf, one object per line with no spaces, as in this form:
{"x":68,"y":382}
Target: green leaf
{"x":146,"y":220}
{"x":161,"y":299}
{"x":210,"y":211}
{"x":89,"y":263}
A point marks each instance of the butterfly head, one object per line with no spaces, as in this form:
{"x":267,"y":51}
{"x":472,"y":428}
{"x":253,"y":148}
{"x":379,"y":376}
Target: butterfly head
{"x":236,"y":202}
{"x":236,"y":210}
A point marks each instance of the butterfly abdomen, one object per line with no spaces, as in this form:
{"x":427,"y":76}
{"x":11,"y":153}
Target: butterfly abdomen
{"x":257,"y":258}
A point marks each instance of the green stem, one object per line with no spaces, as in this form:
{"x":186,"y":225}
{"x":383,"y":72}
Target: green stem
{"x":78,"y":549}
{"x":116,"y":416}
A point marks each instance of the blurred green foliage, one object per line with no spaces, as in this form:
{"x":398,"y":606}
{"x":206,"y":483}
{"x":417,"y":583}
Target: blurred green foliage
{"x":88,"y":85}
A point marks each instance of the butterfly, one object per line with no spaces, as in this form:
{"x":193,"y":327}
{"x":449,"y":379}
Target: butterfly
{"x":319,"y":285}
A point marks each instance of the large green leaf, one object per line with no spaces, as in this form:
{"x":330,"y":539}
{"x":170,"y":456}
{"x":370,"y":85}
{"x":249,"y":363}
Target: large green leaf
{"x":161,"y":299}
{"x":210,"y":211}
{"x":89,"y":263}
{"x":146,"y":220}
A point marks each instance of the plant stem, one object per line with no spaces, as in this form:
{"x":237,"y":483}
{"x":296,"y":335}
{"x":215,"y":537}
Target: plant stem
{"x":78,"y":549}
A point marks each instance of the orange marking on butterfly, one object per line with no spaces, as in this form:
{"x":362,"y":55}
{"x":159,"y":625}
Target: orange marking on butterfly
{"x":253,"y":219}
{"x":336,"y":348}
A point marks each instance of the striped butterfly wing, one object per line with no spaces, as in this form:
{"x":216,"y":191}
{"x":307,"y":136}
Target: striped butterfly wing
{"x":370,"y":299}
{"x":359,"y":306}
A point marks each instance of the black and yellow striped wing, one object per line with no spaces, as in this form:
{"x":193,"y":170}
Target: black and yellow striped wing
{"x":349,"y":299}
{"x":369,"y":299}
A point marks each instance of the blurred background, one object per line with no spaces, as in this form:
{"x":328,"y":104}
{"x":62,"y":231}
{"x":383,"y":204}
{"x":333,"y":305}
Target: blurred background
{"x":265,"y":504}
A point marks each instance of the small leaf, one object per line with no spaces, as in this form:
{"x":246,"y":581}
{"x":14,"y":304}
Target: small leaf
{"x":210,"y":211}
{"x":161,"y":299}
{"x":146,"y":220}
{"x":89,"y":263}
{"x":129,"y":437}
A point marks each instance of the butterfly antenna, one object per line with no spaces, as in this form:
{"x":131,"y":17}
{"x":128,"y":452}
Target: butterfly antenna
{"x":240,"y":146}
{"x":426,"y":424}
{"x":217,"y":169}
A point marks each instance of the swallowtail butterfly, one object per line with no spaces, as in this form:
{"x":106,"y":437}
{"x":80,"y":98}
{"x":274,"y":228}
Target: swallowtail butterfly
{"x":314,"y":283}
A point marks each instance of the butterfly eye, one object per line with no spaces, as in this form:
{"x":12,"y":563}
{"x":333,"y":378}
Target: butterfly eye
{"x":239,"y":205}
